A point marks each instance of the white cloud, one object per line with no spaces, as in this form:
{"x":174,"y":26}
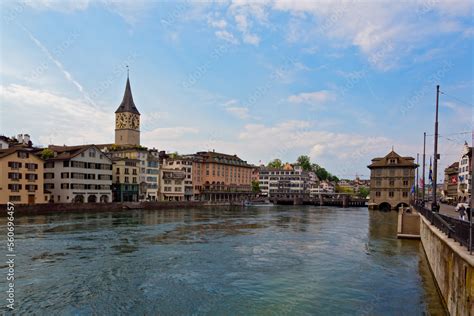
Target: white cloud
{"x":53,"y":118}
{"x":384,"y":31}
{"x":226,"y":36}
{"x":240,"y":112}
{"x":220,"y":24}
{"x":232,"y":107}
{"x":316,"y":97}
{"x":157,"y":135}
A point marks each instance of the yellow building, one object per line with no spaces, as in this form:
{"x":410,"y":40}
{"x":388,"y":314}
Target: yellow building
{"x":391,"y":180}
{"x":21,"y":177}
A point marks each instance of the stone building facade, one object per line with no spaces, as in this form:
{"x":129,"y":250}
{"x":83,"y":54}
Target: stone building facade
{"x":289,"y":180}
{"x":125,"y":185}
{"x":464,"y":176}
{"x":78,"y":174}
{"x":391,"y":181}
{"x":450,"y":188}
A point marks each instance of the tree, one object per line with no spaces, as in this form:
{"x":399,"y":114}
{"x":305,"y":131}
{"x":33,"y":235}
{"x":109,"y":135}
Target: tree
{"x":255,"y":186}
{"x":46,"y":154}
{"x":305,"y":162}
{"x":363,"y":192}
{"x":275,"y":163}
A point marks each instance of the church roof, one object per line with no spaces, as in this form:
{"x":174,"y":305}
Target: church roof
{"x":127,"y":104}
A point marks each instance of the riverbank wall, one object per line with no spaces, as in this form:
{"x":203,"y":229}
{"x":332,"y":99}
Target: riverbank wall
{"x":52,"y":208}
{"x":452,"y":267}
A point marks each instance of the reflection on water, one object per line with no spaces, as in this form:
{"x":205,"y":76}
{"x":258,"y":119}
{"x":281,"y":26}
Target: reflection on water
{"x":280,"y":260}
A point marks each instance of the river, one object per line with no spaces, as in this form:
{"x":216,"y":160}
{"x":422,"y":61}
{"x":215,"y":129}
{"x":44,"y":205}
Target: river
{"x":282,"y":260}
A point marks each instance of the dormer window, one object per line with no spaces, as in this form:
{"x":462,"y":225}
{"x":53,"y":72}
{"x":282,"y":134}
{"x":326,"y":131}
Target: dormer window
{"x":393,"y":161}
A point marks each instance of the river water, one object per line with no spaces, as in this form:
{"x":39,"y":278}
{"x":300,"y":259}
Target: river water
{"x":292,"y":260}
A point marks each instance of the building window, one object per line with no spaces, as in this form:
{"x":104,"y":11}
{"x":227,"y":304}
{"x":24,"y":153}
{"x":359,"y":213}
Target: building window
{"x":49,"y":164}
{"x":14,"y":176}
{"x":64,"y":175}
{"x":391,"y":183}
{"x":14,"y":198}
{"x":405,"y":194}
{"x":14,"y":164}
{"x":405,"y":182}
{"x":49,"y":175}
{"x":14,"y":187}
{"x":391,"y":194}
{"x":66,"y":163}
{"x":377,"y":194}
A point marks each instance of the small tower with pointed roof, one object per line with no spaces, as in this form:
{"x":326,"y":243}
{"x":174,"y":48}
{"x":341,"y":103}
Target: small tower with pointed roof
{"x":127,"y":120}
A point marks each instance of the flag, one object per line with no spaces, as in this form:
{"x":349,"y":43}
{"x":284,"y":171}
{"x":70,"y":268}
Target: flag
{"x":413,"y":189}
{"x":431,"y":173}
{"x":422,"y":184}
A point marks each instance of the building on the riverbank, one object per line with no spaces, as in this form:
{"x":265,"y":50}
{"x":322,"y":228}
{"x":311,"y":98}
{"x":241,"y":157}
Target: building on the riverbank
{"x":391,"y":180}
{"x":464,"y":176}
{"x":219,"y":177}
{"x":185,"y":164}
{"x":148,"y":167}
{"x":289,"y":180}
{"x":172,"y":184}
{"x":21,"y":177}
{"x":450,"y":187}
{"x":78,"y":174}
{"x":125,"y":186}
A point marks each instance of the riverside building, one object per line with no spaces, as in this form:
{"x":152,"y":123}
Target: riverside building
{"x":391,"y":180}
{"x":78,"y":174}
{"x":289,"y":180}
{"x":21,"y":177}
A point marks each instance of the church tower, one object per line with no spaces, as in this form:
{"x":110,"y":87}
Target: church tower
{"x":127,"y":120}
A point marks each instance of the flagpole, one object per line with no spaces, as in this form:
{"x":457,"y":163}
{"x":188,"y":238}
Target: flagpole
{"x":417,"y":169}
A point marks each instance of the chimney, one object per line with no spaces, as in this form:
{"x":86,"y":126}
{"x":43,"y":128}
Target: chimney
{"x":26,"y":139}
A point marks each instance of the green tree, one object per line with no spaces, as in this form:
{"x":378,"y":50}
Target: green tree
{"x":305,"y":162}
{"x":255,"y":186}
{"x":275,"y":163}
{"x":46,"y":154}
{"x":363,"y":192}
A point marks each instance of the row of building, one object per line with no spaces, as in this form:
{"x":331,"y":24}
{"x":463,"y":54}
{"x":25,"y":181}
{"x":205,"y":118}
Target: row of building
{"x":123,"y":171}
{"x":457,"y":178}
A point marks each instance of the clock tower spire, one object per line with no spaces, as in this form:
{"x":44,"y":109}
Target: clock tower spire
{"x":127,"y":120}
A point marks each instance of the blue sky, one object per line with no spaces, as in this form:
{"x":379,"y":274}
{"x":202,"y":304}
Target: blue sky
{"x":341,"y":81}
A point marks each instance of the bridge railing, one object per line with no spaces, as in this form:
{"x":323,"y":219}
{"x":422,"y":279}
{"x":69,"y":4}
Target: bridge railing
{"x":454,"y":228}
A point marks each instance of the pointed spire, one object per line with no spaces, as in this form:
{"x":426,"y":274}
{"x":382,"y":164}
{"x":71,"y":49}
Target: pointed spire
{"x":127,"y":104}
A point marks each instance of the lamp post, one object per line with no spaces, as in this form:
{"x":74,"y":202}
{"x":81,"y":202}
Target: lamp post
{"x":423,"y":169}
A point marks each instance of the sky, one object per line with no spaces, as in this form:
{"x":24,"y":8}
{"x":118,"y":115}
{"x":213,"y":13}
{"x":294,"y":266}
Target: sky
{"x":340,"y":81}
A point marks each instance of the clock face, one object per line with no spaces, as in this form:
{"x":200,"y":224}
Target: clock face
{"x":135,"y":122}
{"x":127,"y":120}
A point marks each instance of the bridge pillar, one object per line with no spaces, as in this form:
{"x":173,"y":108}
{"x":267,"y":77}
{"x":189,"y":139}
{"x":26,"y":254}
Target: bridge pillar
{"x":345,"y":201}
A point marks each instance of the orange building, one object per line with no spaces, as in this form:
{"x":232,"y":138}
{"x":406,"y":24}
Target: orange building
{"x":21,"y":177}
{"x":220,"y":177}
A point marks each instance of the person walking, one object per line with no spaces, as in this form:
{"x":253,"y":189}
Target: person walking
{"x":462,"y":212}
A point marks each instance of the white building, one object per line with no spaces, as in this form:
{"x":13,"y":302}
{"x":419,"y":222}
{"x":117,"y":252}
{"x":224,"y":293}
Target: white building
{"x":464,"y":183}
{"x":78,"y":174}
{"x":290,"y":179}
{"x":185,"y":165}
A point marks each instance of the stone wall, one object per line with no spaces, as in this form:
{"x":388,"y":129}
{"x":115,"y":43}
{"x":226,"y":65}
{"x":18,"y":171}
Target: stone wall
{"x":452,"y":267}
